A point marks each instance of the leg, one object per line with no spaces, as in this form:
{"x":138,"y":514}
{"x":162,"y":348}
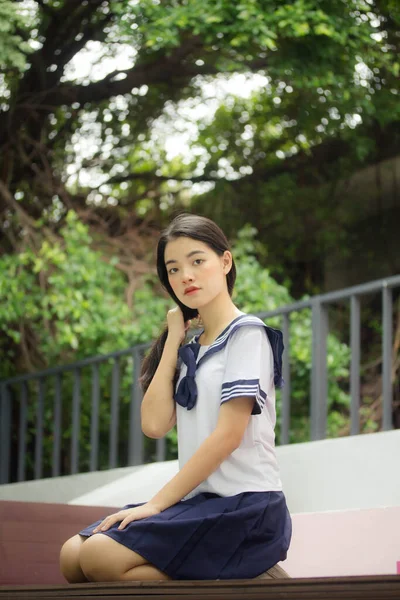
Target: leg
{"x":145,"y":573}
{"x":103,"y":559}
{"x":275,"y":572}
{"x":69,"y":560}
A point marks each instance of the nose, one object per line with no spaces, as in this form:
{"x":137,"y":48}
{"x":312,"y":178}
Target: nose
{"x":187,"y":277}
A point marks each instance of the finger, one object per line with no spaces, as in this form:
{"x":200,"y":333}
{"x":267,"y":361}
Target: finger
{"x":126,"y":522}
{"x":99,"y":526}
{"x":107,"y":523}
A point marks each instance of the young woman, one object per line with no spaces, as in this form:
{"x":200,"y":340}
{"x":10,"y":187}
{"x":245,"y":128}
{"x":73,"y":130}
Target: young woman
{"x":223,"y":516}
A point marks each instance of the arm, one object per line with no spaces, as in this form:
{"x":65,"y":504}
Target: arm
{"x":232,"y":422}
{"x":226,"y":437}
{"x":158,"y":412}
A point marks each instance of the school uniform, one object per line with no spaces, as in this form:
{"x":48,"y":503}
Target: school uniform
{"x":235,"y":524}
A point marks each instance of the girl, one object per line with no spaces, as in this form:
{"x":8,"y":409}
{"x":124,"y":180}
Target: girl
{"x":223,"y":516}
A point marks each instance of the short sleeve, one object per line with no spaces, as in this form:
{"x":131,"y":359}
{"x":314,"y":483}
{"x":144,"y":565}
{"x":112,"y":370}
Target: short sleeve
{"x":249,"y":366}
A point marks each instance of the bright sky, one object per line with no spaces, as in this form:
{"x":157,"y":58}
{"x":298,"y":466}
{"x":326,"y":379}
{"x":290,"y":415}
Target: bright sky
{"x":89,"y":65}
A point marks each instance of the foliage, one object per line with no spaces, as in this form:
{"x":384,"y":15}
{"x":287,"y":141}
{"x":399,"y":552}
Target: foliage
{"x":93,"y":142}
{"x":256,"y":291}
{"x":328,"y":105}
{"x":71,"y":301}
{"x":13,"y":45}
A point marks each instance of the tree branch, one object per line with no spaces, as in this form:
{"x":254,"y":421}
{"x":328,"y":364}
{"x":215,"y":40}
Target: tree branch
{"x":309,"y":165}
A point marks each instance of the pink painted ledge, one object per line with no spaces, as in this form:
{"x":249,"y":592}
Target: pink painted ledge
{"x":339,"y":543}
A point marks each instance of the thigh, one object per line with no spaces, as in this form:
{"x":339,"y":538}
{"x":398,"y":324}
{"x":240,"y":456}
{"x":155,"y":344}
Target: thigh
{"x":103,"y":559}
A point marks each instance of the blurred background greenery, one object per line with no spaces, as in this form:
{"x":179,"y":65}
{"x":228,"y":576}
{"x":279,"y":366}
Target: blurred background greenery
{"x":280,"y":120}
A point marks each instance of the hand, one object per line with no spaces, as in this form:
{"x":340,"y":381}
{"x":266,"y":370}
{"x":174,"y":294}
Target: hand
{"x":177,"y":327}
{"x":127,"y":516}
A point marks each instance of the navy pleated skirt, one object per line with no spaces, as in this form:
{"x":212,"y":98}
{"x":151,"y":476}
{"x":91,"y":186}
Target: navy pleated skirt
{"x":211,"y":537}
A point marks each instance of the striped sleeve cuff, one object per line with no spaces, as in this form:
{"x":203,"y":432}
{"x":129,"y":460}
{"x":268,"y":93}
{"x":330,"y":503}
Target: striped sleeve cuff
{"x":245,"y":387}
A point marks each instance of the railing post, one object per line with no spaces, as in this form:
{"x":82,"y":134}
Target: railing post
{"x":23,"y":417}
{"x":39,"y":431}
{"x":387,"y":340}
{"x":114,"y":421}
{"x":136,"y":439}
{"x":161,"y":449}
{"x":319,"y":379}
{"x":94,"y":419}
{"x":76,"y":413}
{"x":5,"y":440}
{"x":355,"y":365}
{"x":285,"y":406}
{"x":57,"y":426}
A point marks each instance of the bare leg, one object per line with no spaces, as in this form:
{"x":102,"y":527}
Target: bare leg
{"x":103,"y":559}
{"x":144,"y":573}
{"x":69,"y":560}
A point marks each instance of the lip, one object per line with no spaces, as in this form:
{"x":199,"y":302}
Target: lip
{"x":191,"y":291}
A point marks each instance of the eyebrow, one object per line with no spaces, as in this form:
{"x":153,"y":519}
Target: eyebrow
{"x":187,"y":256}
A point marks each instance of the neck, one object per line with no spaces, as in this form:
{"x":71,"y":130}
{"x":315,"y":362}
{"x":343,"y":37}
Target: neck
{"x":217,"y":315}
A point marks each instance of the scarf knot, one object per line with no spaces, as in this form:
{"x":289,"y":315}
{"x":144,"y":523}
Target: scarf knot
{"x":186,"y":394}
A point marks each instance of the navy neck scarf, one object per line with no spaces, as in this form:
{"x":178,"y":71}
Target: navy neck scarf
{"x":186,"y":394}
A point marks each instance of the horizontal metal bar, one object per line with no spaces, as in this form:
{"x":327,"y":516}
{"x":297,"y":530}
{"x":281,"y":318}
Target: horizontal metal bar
{"x":358,"y":290}
{"x":78,"y":365}
{"x":285,"y":310}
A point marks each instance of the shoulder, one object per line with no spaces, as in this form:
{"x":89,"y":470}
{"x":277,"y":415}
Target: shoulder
{"x":248,"y":329}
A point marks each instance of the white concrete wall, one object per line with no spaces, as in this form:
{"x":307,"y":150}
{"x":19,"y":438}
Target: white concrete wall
{"x":351,"y":542}
{"x":61,"y":489}
{"x":341,"y":474}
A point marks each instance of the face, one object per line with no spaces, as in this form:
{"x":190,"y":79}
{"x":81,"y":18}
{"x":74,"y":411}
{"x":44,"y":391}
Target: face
{"x":195,"y":272}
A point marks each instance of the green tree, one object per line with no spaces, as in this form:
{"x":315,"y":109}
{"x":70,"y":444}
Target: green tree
{"x":64,"y":303}
{"x":325,"y":61}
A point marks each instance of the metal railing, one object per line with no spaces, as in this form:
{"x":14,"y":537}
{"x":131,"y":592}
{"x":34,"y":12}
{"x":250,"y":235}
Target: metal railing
{"x":15,"y":391}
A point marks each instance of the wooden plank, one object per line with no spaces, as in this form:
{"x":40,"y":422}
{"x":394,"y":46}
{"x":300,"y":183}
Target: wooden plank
{"x":31,"y":536}
{"x":338,"y":588}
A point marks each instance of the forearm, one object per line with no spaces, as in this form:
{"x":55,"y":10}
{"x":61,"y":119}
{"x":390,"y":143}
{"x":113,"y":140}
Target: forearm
{"x":158,"y":405}
{"x":212,"y":452}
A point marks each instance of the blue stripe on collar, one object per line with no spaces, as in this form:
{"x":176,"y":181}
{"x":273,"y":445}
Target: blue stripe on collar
{"x":222,"y":339}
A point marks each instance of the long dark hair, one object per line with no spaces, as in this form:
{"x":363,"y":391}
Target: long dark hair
{"x":197,"y":228}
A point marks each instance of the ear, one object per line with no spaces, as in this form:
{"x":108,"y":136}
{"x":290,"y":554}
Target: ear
{"x":226,"y":262}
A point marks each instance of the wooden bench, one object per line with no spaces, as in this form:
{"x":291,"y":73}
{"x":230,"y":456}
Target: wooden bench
{"x":31,"y":535}
{"x":380,"y":587}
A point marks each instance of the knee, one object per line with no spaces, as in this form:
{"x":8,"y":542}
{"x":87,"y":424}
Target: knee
{"x":69,"y":560}
{"x":95,"y":561}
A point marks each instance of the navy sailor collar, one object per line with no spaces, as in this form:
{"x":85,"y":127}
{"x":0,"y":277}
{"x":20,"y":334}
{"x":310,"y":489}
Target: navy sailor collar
{"x":186,"y":394}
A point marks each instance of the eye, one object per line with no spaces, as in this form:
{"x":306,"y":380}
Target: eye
{"x":198,"y":261}
{"x":172,"y":270}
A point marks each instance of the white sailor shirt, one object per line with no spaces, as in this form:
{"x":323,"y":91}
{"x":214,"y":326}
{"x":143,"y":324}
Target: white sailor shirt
{"x":244,"y":361}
